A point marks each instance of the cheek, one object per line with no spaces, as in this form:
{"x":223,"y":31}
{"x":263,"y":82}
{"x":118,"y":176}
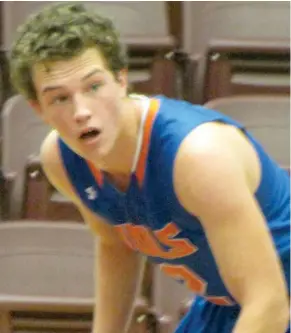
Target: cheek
{"x":58,"y":120}
{"x":111,"y":103}
{"x":113,"y":90}
{"x":112,"y":114}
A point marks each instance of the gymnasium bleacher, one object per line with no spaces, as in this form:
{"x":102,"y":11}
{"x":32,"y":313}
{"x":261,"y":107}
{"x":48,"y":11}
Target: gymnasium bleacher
{"x":231,"y":56}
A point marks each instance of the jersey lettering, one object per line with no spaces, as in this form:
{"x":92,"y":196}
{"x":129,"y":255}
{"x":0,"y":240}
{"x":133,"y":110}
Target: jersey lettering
{"x":142,"y":239}
{"x":179,"y":247}
{"x":193,"y":281}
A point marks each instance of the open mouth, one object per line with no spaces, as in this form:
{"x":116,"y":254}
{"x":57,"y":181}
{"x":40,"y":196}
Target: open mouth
{"x":90,"y":134}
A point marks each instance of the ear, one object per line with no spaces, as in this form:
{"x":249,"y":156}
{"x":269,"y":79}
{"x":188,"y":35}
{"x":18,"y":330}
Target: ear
{"x":122,"y":78}
{"x":35,"y":106}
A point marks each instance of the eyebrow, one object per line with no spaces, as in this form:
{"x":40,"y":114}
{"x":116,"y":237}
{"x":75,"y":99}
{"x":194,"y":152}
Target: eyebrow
{"x":87,"y":76}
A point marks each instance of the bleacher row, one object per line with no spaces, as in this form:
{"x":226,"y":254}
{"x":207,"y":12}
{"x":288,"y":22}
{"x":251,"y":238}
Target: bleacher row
{"x":46,"y":252}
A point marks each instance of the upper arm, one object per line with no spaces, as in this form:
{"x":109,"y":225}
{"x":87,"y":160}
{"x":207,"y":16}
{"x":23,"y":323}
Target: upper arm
{"x":212,"y":182}
{"x":54,"y":170}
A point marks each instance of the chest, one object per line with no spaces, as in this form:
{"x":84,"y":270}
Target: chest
{"x":150,"y":223}
{"x":122,"y":201}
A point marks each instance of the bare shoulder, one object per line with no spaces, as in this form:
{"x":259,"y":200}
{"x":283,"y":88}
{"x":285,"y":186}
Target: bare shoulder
{"x":215,"y":154}
{"x":56,"y":174}
{"x":49,"y":156}
{"x":53,"y":166}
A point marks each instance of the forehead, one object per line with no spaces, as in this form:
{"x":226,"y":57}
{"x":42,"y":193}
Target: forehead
{"x":47,"y":72}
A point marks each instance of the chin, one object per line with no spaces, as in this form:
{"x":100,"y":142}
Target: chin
{"x":103,"y":152}
{"x":97,"y":154}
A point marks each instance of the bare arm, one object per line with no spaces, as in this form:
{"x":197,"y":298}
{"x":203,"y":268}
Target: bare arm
{"x":118,"y":272}
{"x":221,"y":195}
{"x":118,"y":269}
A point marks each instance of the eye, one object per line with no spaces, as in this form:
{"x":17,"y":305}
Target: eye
{"x":94,"y":87}
{"x":60,"y":99}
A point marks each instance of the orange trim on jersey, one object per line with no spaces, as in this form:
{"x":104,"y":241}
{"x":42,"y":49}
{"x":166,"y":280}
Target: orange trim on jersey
{"x":147,"y":131}
{"x":219,"y":300}
{"x":96,"y":173}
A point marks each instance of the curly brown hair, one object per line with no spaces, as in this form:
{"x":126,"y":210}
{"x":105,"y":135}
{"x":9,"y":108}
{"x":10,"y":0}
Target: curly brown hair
{"x":59,"y":32}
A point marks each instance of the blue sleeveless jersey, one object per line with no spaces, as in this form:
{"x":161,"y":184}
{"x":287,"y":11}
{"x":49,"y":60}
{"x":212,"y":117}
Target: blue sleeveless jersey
{"x":149,"y":216}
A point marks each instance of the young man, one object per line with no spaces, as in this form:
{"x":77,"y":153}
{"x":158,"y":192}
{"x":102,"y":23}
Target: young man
{"x":186,"y":186}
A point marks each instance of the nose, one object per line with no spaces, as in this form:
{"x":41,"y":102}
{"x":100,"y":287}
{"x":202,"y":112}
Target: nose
{"x":82,"y":112}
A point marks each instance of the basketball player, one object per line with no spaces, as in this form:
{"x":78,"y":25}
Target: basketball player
{"x":186,"y":186}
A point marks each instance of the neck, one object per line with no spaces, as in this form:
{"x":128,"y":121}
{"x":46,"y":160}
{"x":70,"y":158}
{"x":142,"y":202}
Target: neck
{"x":119,"y":162}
